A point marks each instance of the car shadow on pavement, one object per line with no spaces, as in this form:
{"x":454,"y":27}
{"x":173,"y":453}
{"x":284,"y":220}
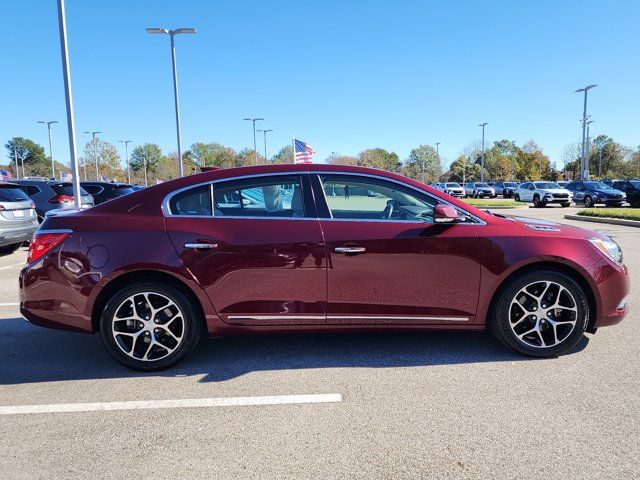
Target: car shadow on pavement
{"x":30,"y":354}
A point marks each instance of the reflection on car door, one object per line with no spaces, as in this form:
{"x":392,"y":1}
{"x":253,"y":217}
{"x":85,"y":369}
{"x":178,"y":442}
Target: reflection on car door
{"x":255,"y":246}
{"x":388,"y":262}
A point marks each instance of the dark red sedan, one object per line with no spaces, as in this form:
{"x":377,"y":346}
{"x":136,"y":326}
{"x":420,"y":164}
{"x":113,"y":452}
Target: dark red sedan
{"x":311,"y":248}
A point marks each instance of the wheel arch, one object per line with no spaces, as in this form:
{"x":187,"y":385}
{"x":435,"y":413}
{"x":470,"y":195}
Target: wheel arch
{"x":115,"y":284}
{"x":570,"y":271}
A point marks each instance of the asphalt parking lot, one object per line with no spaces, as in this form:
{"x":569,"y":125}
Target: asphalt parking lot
{"x":432,"y":405}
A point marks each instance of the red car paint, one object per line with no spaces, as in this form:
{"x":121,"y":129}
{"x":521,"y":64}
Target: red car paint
{"x":284,"y":275}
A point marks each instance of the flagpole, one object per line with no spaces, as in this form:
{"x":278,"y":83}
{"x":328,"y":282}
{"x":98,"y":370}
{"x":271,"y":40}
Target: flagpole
{"x":293,"y":144}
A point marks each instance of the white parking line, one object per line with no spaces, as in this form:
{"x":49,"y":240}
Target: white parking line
{"x":12,"y":266}
{"x":178,"y":403}
{"x":15,"y":304}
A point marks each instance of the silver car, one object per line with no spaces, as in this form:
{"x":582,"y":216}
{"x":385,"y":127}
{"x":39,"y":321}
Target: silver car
{"x":452,"y":188}
{"x":18,"y":219}
{"x":479,"y":190}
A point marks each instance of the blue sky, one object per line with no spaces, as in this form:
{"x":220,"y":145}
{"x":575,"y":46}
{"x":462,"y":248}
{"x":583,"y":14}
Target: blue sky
{"x":341,"y":75}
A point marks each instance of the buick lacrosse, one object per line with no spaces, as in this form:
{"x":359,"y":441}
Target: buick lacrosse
{"x":310,"y":248}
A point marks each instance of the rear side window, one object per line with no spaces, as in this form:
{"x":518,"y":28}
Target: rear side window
{"x":30,"y":190}
{"x":121,"y":190}
{"x":272,"y":196}
{"x":9,"y":193}
{"x":66,"y":189}
{"x":195,"y":201}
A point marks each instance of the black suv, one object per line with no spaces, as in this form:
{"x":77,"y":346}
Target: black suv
{"x":51,"y":194}
{"x":591,"y":192}
{"x":104,"y":191}
{"x":631,"y":188}
{"x":506,"y":189}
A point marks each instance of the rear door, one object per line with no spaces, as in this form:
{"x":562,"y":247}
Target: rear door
{"x":255,"y":246}
{"x":388,"y":262}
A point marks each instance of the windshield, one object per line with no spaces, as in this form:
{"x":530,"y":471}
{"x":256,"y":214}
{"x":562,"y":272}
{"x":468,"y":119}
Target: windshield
{"x":453,"y":185}
{"x":545,"y":185}
{"x":635,"y":183}
{"x":481,"y":184}
{"x":597,"y":186}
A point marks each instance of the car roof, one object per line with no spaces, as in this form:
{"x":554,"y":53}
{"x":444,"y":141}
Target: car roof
{"x":115,"y":184}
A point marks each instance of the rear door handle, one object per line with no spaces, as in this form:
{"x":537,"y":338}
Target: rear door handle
{"x":350,"y":249}
{"x":200,"y":246}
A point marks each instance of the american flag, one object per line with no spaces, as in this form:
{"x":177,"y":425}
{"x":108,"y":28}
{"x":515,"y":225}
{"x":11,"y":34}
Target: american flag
{"x":304,"y":152}
{"x":4,"y":175}
{"x":66,"y":177}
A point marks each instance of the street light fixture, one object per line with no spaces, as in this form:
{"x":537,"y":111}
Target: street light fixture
{"x":264,"y":132}
{"x":173,"y":33}
{"x":126,"y":155}
{"x":48,"y":124}
{"x":95,"y":156}
{"x":482,"y":158}
{"x":255,"y":148}
{"x":584,"y":171}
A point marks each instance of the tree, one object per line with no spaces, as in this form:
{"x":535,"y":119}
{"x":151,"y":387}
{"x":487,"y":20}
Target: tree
{"x":284,"y":155}
{"x":214,"y":155}
{"x":422,"y":164}
{"x":463,"y":170}
{"x":335,"y":159}
{"x":379,"y":158}
{"x":247,"y":157}
{"x":500,"y":160}
{"x":145,"y":157}
{"x":30,"y":154}
{"x":108,"y":160}
{"x":533,"y":164}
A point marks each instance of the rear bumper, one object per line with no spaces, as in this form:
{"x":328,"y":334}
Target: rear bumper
{"x":19,"y":235}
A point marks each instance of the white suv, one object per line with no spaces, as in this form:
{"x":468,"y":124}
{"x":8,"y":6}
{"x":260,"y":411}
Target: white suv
{"x":543,"y":193}
{"x":479,"y":190}
{"x":452,"y":188}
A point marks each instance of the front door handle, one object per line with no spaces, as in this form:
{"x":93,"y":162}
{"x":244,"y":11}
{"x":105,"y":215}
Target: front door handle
{"x":350,"y":249}
{"x":200,"y":246}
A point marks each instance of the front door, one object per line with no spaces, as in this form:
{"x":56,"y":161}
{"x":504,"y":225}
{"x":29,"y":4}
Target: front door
{"x":255,"y":246}
{"x":389,"y":263}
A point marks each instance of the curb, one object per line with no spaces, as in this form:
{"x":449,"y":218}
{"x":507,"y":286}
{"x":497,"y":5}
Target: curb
{"x":610,"y":221}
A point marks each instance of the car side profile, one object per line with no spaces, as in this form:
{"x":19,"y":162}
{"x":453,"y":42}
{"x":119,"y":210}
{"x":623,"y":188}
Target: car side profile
{"x":506,"y":189}
{"x":479,"y":190}
{"x":543,"y":193}
{"x":592,"y":193}
{"x":353,"y":249}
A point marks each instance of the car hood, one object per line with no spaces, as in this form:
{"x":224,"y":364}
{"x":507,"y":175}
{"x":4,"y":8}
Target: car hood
{"x":555,"y":190}
{"x":547,"y":228}
{"x":608,"y":192}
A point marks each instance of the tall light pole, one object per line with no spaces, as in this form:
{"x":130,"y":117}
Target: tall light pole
{"x":255,"y":148}
{"x":264,"y":132}
{"x":15,"y":160}
{"x":126,"y":156}
{"x":71,"y":128}
{"x":589,"y":122}
{"x":95,"y":155}
{"x":172,"y":34}
{"x":482,"y":158}
{"x":48,"y":124}
{"x":583,"y":167}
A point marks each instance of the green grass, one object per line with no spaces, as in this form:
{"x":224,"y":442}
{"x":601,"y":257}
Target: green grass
{"x":488,"y":202}
{"x":623,"y":213}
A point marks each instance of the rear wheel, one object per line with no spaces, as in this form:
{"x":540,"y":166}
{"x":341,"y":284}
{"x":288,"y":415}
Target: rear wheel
{"x":588,"y":202}
{"x":517,"y":198}
{"x":542,"y":313}
{"x":149,"y":326}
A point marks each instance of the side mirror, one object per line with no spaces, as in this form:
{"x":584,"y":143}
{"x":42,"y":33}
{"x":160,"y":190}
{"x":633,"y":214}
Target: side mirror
{"x":446,"y":214}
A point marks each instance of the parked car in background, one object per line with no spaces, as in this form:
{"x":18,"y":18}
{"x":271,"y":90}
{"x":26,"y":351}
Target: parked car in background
{"x":543,"y":193}
{"x":506,"y":189}
{"x":479,"y":190}
{"x":18,"y":219}
{"x":452,"y":188}
{"x":591,"y":193}
{"x":51,"y":194}
{"x":562,"y":183}
{"x":172,"y":263}
{"x":104,"y":191}
{"x":631,"y":188}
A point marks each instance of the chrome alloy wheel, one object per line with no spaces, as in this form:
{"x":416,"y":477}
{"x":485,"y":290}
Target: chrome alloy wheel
{"x":543,"y":314}
{"x":148,"y":326}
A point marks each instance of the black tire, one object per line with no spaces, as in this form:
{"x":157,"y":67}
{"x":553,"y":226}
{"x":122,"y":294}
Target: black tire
{"x":635,"y":202}
{"x":7,"y":249}
{"x":565,"y":204}
{"x":191,"y":333}
{"x":537,"y":202}
{"x":588,"y":201}
{"x":516,"y":197}
{"x":499,"y":322}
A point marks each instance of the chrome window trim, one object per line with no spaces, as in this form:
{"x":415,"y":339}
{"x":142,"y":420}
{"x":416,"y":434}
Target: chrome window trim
{"x":166,"y":211}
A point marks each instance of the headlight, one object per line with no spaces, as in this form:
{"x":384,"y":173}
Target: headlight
{"x":608,"y":248}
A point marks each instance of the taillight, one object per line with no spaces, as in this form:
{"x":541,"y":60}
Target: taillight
{"x":41,"y":243}
{"x":33,"y":205}
{"x":61,"y":199}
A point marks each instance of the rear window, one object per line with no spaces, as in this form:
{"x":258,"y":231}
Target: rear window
{"x":9,"y":193}
{"x":120,"y":190}
{"x":66,"y":189}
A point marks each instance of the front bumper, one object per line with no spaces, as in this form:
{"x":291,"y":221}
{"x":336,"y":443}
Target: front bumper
{"x":613,"y":290}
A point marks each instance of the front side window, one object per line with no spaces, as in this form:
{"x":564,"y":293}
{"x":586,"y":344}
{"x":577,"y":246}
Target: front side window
{"x":270,"y":196}
{"x":365,"y":198}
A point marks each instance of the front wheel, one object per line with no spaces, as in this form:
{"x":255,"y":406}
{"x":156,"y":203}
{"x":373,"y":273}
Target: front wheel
{"x":7,"y":249}
{"x":537,"y":202}
{"x":517,"y":198}
{"x":150,"y":325}
{"x":588,"y":202}
{"x":565,"y":204}
{"x":543,"y":313}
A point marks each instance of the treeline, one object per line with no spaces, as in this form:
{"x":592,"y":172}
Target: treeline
{"x":503,"y":160}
